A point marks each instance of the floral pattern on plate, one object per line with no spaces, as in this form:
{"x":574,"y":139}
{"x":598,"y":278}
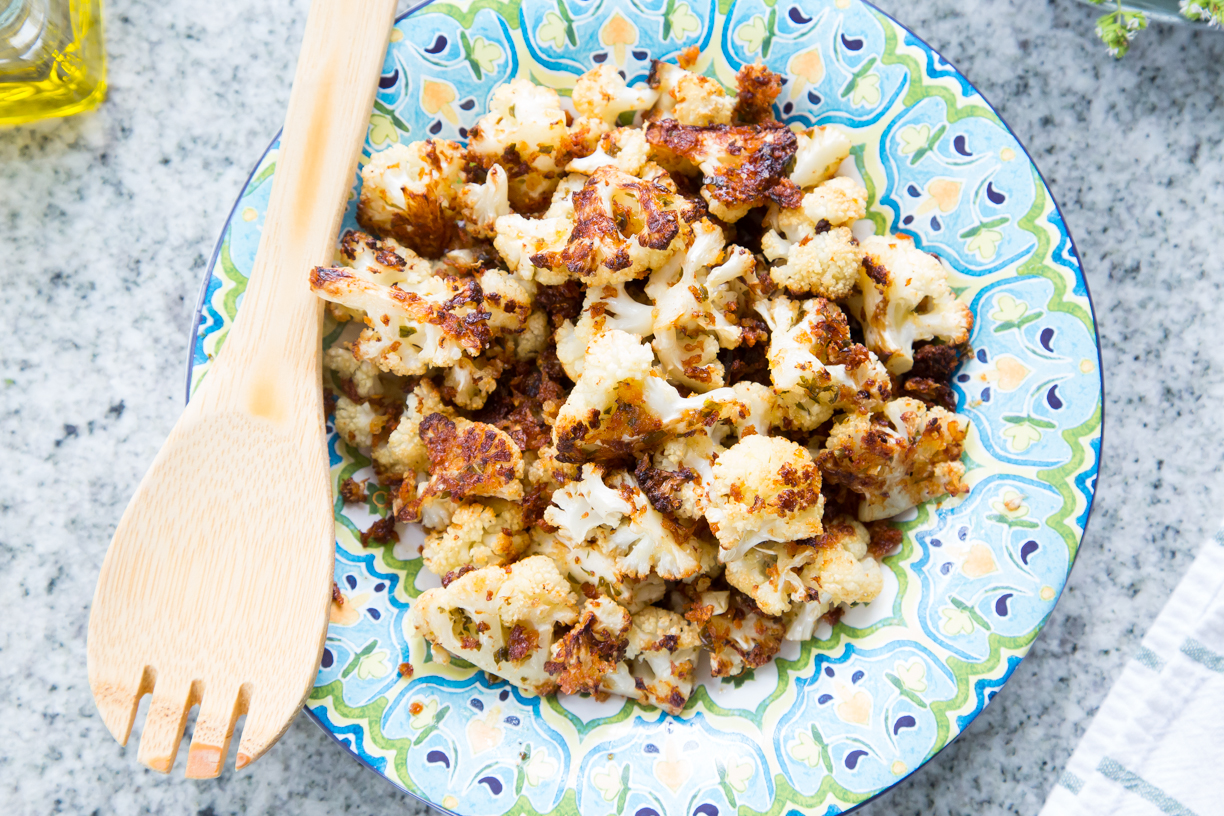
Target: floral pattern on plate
{"x":835,"y":721}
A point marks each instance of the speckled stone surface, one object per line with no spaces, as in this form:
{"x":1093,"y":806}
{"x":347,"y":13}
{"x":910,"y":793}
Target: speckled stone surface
{"x":107,"y":222}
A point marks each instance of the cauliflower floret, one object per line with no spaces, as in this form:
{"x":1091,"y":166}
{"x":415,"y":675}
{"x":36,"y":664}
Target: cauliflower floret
{"x":469,"y":382}
{"x":528,"y":344}
{"x":843,"y":571}
{"x":623,"y":148}
{"x":620,"y":401}
{"x":763,"y":489}
{"x":623,"y":227}
{"x":840,"y":201}
{"x":358,"y":422}
{"x":897,"y":459}
{"x":403,"y":454}
{"x":409,"y":328}
{"x":602,"y":94}
{"x":820,"y":151}
{"x":690,"y":99}
{"x":815,"y":257}
{"x":626,"y":526}
{"x":527,"y":119}
{"x":465,"y":459}
{"x":361,"y":373}
{"x":520,"y":240}
{"x":592,"y":649}
{"x":829,"y":570}
{"x":903,"y":298}
{"x":593,"y":570}
{"x":507,"y":300}
{"x":480,"y":534}
{"x":501,"y":619}
{"x":742,"y":166}
{"x":697,"y":310}
{"x":382,"y":260}
{"x":740,"y":638}
{"x":815,"y":367}
{"x":660,"y":661}
{"x":411,"y":192}
{"x":562,"y":203}
{"x":482,"y":204}
{"x":606,"y":308}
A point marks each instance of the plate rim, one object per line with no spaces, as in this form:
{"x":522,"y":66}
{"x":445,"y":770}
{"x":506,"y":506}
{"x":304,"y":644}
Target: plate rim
{"x":1091,"y":498}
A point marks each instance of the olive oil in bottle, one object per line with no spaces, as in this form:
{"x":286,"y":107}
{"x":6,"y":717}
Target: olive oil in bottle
{"x":52,"y":62}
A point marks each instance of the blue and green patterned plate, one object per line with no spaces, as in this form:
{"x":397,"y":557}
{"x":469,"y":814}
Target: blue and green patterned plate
{"x":832,"y":723}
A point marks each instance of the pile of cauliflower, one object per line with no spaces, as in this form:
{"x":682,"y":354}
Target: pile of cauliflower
{"x":628,"y":365}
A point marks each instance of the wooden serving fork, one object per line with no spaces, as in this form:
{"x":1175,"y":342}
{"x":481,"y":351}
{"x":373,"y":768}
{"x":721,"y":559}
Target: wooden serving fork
{"x":216,"y":587}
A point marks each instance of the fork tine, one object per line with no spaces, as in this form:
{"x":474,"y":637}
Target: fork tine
{"x":117,"y":702}
{"x":213,"y":729}
{"x":163,"y":730}
{"x":268,"y":717}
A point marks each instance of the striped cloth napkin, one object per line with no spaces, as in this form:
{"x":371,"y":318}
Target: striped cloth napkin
{"x":1157,"y":743}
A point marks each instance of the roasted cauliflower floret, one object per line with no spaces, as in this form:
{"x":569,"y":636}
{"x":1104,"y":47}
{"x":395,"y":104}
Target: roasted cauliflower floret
{"x":592,"y":649}
{"x":620,"y":401}
{"x":819,"y":152}
{"x":763,"y":489}
{"x":812,"y":247}
{"x":903,"y":298}
{"x":411,"y":192}
{"x":815,"y":367}
{"x":466,"y":459}
{"x":358,"y":423}
{"x":362,"y":374}
{"x":606,"y":308}
{"x":806,"y":578}
{"x":501,"y":619}
{"x":592,"y":570}
{"x":896,"y":459}
{"x":525,"y":121}
{"x":480,"y":534}
{"x":690,"y":99}
{"x":623,"y":227}
{"x":624,"y":524}
{"x":696,"y":310}
{"x":409,"y":327}
{"x":403,"y":454}
{"x":742,"y":166}
{"x":482,"y":204}
{"x":602,"y":94}
{"x":623,"y":148}
{"x":740,"y":638}
{"x":660,"y":664}
{"x":469,"y":382}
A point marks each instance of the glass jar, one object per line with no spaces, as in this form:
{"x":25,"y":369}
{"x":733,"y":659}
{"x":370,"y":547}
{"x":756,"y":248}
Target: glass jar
{"x":52,"y":62}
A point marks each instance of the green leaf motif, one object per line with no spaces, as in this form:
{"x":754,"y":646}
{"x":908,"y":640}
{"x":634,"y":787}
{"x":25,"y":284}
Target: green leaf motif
{"x":357,"y":658}
{"x":552,"y":30}
{"x":753,"y":34}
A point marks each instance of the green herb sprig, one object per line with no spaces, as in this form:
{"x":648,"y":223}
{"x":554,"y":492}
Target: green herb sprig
{"x":1118,"y":27}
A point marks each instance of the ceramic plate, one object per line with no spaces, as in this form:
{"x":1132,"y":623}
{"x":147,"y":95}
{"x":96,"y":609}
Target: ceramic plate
{"x":838,"y":720}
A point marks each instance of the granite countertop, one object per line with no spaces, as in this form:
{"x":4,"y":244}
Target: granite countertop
{"x":107,"y":222}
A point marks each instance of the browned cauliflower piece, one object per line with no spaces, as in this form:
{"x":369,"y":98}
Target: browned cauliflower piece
{"x":587,"y":653}
{"x":411,"y":192}
{"x":743,"y":166}
{"x":689,"y":98}
{"x":660,"y":664}
{"x":763,"y":489}
{"x":740,"y":636}
{"x":524,"y":132}
{"x":904,"y":298}
{"x":466,"y":459}
{"x":501,"y":619}
{"x":896,"y":459}
{"x":480,"y":534}
{"x":815,"y":367}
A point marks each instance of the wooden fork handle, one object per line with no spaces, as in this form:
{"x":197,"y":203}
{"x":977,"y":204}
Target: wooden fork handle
{"x":273,"y":346}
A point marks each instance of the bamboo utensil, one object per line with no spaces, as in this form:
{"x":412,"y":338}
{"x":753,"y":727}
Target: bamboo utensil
{"x":216,"y":587}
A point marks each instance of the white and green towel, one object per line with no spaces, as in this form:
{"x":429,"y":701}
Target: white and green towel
{"x":1156,"y":745}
